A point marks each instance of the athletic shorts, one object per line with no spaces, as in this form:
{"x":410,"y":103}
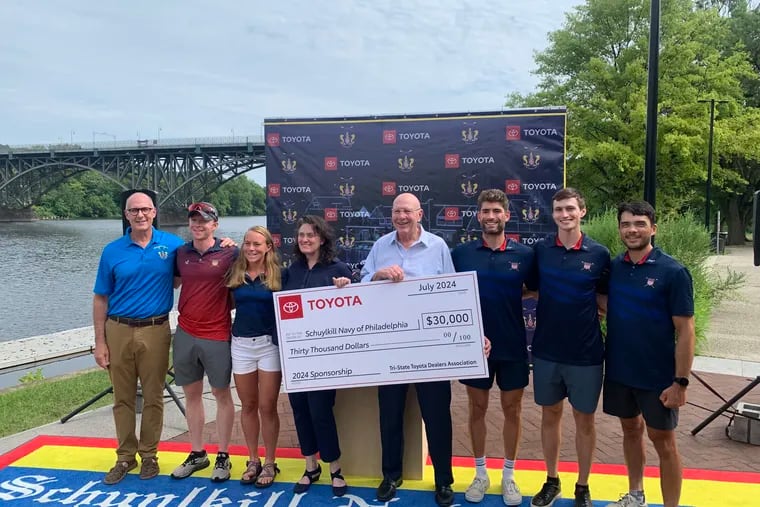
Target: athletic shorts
{"x":581,"y":385}
{"x":193,"y":356}
{"x":254,"y":353}
{"x":624,"y":401}
{"x":509,"y":375}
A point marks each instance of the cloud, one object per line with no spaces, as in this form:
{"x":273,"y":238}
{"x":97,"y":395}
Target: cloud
{"x":196,"y":69}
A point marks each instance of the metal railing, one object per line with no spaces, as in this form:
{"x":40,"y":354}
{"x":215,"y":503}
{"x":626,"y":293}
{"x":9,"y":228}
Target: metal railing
{"x":187,"y":142}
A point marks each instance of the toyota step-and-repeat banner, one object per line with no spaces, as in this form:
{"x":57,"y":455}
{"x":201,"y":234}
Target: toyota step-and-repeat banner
{"x":349,"y":170}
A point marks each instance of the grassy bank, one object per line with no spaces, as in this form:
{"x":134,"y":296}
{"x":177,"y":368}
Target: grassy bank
{"x":44,"y":401}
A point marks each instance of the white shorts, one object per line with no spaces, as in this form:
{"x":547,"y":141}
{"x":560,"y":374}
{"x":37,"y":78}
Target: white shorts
{"x":254,"y":353}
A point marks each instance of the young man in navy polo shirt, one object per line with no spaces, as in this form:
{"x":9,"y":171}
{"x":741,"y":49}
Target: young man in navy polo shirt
{"x":502,"y":266}
{"x":568,"y":352}
{"x":650,"y":348}
{"x":202,"y":339}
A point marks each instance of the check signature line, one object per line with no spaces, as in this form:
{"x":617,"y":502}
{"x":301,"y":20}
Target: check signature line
{"x":438,"y":292}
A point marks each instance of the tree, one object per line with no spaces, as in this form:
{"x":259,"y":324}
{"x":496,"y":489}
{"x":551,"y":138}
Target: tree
{"x":596,"y":65}
{"x":239,"y":197}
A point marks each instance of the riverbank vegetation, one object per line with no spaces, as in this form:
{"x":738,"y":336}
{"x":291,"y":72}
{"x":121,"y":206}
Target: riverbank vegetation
{"x":40,"y":401}
{"x":92,"y":195}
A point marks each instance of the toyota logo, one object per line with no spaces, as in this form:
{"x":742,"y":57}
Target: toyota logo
{"x":290,"y":307}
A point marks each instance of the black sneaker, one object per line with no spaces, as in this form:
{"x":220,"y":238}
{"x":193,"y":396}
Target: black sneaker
{"x":387,"y":489}
{"x":548,"y":494}
{"x":444,"y":496}
{"x":582,"y":497}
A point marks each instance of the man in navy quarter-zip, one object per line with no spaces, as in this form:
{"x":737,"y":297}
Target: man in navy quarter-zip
{"x":650,"y":349}
{"x":571,"y":275}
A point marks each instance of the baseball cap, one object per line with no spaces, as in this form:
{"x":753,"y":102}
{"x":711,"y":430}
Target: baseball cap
{"x":206,"y":210}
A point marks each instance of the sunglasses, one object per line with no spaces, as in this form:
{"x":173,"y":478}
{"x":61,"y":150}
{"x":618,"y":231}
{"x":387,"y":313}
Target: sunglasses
{"x":202,"y":206}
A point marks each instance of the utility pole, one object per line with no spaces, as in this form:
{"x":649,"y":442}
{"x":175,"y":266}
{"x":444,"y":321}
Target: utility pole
{"x":708,"y":188}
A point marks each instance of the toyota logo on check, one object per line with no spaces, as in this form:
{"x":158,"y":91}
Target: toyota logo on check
{"x":291,"y":307}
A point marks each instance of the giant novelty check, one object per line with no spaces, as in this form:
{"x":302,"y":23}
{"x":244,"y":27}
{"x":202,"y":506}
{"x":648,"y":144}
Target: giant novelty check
{"x":420,"y":329}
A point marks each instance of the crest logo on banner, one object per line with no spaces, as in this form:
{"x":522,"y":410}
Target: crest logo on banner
{"x":406,"y":163}
{"x":346,"y":189}
{"x":469,"y":187}
{"x":530,"y":214}
{"x":531,"y":160}
{"x":470,"y":133}
{"x":289,"y":215}
{"x":347,"y":138}
{"x":289,"y":165}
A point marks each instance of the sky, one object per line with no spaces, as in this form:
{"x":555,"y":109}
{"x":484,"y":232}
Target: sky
{"x":89,"y":70}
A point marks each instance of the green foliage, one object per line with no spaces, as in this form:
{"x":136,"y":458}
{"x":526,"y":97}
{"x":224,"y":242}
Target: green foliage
{"x":597,"y":64}
{"x":87,"y":195}
{"x":683,"y":237}
{"x":45,"y":401}
{"x":239,"y":197}
{"x":32,"y":376}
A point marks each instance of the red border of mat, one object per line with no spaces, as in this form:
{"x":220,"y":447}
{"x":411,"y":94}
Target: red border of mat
{"x":534,"y":465}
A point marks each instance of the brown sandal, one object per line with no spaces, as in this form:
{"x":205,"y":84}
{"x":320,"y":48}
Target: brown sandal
{"x":252,"y":472}
{"x":268,"y":471}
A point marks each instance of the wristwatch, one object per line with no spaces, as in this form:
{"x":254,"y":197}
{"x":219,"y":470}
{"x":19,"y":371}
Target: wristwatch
{"x":681,"y":381}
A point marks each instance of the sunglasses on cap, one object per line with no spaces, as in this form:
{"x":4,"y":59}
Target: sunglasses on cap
{"x":206,"y":210}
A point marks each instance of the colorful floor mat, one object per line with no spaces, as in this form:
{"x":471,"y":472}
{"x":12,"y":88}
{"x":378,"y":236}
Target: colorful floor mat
{"x":68,"y":471}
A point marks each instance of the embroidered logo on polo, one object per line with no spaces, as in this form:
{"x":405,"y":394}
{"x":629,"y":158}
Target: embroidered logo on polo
{"x":162,"y":251}
{"x":651,"y":282}
{"x":587,"y":265}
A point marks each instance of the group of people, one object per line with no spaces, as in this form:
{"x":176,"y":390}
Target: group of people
{"x":642,"y":365}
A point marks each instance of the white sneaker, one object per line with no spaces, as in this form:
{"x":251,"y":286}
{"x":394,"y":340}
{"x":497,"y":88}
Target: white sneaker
{"x":477,"y":490}
{"x":627,"y":500}
{"x":510,"y":493}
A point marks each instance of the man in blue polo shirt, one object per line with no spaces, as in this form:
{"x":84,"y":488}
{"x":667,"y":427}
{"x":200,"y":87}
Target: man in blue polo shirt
{"x":133,"y":297}
{"x":568,"y":352}
{"x":502,"y":266}
{"x":650,"y":349}
{"x":407,"y":252}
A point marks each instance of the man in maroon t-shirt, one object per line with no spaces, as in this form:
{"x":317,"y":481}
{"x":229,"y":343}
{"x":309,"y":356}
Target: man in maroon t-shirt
{"x":202,"y":339}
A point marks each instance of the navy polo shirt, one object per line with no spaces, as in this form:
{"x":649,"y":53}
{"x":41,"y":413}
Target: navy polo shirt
{"x":567,"y":319}
{"x":643,"y":298}
{"x":299,"y":276}
{"x":254,"y":310}
{"x":501,"y":274}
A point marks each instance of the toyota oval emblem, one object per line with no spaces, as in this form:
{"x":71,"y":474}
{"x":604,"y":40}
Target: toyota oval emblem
{"x":290,"y":307}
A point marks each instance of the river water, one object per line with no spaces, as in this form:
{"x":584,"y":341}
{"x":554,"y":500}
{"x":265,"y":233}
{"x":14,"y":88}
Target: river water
{"x":47,"y":270}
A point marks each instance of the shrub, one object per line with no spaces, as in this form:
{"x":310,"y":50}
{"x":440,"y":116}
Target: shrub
{"x":685,"y":239}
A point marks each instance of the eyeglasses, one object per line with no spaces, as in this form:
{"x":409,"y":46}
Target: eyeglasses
{"x":133,"y":212}
{"x":402,"y":211}
{"x":202,"y":206}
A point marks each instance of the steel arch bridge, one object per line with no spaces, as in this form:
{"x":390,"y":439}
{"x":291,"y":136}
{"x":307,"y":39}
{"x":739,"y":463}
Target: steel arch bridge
{"x":178,"y":170}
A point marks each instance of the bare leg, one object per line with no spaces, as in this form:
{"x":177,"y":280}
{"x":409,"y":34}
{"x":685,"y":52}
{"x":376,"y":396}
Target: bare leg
{"x":671,"y":473}
{"x":478,"y":406}
{"x":511,"y":405}
{"x":247,"y":386}
{"x":194,"y":413}
{"x":551,"y":435}
{"x":225,"y":416}
{"x":585,"y":442}
{"x":634,"y":452}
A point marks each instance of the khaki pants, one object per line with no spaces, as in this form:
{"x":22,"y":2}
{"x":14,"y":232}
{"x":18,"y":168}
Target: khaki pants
{"x":138,"y":353}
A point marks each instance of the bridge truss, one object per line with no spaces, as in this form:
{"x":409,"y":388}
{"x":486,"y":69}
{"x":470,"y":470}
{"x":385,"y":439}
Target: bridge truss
{"x":178,"y":173}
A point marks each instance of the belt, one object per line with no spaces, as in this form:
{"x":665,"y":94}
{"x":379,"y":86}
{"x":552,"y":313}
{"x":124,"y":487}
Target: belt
{"x":150,"y":321}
